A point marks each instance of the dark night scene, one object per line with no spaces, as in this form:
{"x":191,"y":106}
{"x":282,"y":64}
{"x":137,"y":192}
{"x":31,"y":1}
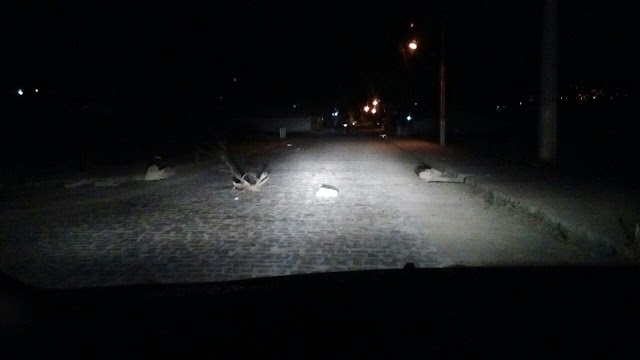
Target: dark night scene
{"x":266,"y":169}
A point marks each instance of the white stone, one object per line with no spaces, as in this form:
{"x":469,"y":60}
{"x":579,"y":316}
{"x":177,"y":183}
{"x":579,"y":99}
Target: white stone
{"x":153,"y":173}
{"x":327,"y":191}
{"x":430,"y":174}
{"x":433,"y":175}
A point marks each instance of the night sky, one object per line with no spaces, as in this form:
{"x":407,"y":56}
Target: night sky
{"x":316,"y":54}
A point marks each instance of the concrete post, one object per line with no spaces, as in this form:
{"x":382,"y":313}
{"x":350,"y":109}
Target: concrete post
{"x":548,"y":113}
{"x":442,"y":76}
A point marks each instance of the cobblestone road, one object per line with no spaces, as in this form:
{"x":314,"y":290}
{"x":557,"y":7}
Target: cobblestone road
{"x":190,"y":228}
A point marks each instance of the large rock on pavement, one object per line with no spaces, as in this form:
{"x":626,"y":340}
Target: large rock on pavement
{"x":430,"y":174}
{"x":327,"y":192}
{"x":154,"y":173}
{"x":433,"y":175}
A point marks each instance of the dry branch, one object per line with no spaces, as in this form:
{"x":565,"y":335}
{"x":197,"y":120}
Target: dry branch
{"x":243,"y":181}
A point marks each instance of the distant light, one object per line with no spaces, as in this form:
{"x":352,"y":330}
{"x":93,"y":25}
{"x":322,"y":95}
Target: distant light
{"x":413,"y":45}
{"x":408,"y":117}
{"x":345,"y":125}
{"x":353,"y":123}
{"x":220,"y":97}
{"x":366,"y":108}
{"x":416,"y":104}
{"x":36,"y":90}
{"x":20,"y":92}
{"x":294,"y":106}
{"x":235,"y":79}
{"x":560,"y":99}
{"x":594,"y":97}
{"x":373,"y":111}
{"x":375,"y":102}
{"x":411,"y":25}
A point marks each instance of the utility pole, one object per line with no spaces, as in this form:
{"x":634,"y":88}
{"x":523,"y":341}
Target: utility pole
{"x":548,"y":113}
{"x":442,"y":96}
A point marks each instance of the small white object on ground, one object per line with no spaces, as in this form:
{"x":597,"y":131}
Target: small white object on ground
{"x":433,"y":175}
{"x":289,"y":145}
{"x":383,"y":136}
{"x":153,"y":173}
{"x":236,"y":198}
{"x":430,"y":174}
{"x":327,"y":191}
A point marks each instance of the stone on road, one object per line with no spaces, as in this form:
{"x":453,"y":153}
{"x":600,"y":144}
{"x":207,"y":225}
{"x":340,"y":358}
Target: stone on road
{"x":327,"y":191}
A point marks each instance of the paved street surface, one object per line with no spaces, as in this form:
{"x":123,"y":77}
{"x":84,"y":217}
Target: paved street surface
{"x":191,"y":228}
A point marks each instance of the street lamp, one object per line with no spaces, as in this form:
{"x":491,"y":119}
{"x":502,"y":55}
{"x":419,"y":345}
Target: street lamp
{"x":373,"y":111}
{"x":413,"y":45}
{"x":366,"y":108}
{"x":375,"y":102}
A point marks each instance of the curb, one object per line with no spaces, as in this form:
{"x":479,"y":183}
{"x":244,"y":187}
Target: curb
{"x":599,"y":245}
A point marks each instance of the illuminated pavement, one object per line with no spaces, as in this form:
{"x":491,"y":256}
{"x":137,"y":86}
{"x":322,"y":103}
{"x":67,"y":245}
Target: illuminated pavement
{"x":190,"y":228}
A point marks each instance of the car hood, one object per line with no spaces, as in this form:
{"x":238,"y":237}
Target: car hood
{"x":458,"y":309}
